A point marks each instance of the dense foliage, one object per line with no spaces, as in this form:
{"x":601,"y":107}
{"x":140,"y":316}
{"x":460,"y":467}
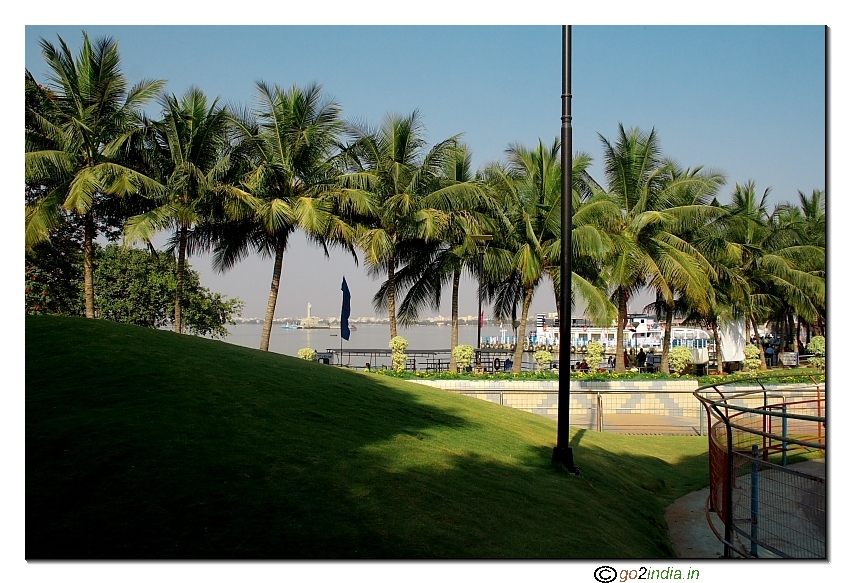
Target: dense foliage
{"x":307,"y":353}
{"x":543,"y":358}
{"x":398,"y":346}
{"x":132,"y":286}
{"x":680,"y":358}
{"x":752,"y":360}
{"x":595,"y":354}
{"x":54,"y":276}
{"x":817,"y":347}
{"x":463,"y":353}
{"x":137,"y":287}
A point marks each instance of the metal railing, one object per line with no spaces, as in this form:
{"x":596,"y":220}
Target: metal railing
{"x":768,"y":508}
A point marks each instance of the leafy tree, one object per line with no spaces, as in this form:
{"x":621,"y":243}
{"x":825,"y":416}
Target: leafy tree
{"x":307,"y":353}
{"x":543,"y":358}
{"x":752,"y":358}
{"x":54,"y":275}
{"x":80,"y":135}
{"x":137,"y":287}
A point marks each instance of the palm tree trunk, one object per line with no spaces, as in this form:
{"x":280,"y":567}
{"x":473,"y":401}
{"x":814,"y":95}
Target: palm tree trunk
{"x":794,"y":330}
{"x":267,"y":323}
{"x":622,"y":311}
{"x":558,"y":304}
{"x":798,"y":330}
{"x":763,"y":365}
{"x":391,"y":296}
{"x":455,"y":293}
{"x":181,"y":270}
{"x":718,"y":349}
{"x":528,"y":293}
{"x":88,"y":264}
{"x":664,"y":365}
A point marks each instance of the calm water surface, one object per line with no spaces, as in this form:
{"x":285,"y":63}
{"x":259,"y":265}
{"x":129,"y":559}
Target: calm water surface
{"x":367,"y":336}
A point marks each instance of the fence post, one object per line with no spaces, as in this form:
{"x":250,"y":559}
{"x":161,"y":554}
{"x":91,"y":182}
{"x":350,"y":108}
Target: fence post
{"x":599,"y":423}
{"x":701,"y":419}
{"x":784,"y":433}
{"x":754,"y":503}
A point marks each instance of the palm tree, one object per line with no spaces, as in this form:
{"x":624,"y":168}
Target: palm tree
{"x":660,"y":204}
{"x":528,"y":185}
{"x":468,"y":209}
{"x":411,"y":205}
{"x":79,"y":142}
{"x":775,"y":265}
{"x":593,"y":212}
{"x":191,"y":145}
{"x":289,"y":141}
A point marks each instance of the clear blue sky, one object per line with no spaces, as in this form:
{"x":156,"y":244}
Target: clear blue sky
{"x":747,"y":100}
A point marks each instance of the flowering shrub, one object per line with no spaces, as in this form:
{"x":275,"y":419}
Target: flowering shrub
{"x":398,"y":345}
{"x":307,"y":354}
{"x":680,"y":358}
{"x":817,"y":346}
{"x":463,"y":353}
{"x":595,"y":354}
{"x":752,"y":358}
{"x":744,"y":378}
{"x":543,"y":358}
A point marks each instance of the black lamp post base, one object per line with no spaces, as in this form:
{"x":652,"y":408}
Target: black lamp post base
{"x":564,"y":455}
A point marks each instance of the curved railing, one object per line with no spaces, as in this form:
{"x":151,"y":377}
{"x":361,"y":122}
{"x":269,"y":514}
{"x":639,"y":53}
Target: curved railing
{"x":768,"y":507}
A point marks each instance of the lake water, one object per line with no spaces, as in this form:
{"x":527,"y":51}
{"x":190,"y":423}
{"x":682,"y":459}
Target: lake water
{"x":367,"y":336}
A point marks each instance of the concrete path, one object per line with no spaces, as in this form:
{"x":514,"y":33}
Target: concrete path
{"x":688,"y":528}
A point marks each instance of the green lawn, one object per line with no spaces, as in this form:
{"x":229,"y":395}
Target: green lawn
{"x":145,"y":444}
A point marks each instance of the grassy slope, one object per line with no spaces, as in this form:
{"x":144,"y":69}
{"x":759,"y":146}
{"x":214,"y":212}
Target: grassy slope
{"x":144,"y":444}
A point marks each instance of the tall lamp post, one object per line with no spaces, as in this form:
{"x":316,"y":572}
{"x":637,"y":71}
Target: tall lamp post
{"x":563,"y":453}
{"x":480,"y":240}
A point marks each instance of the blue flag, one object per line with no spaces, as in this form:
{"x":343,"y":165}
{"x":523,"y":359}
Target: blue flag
{"x":344,"y":330}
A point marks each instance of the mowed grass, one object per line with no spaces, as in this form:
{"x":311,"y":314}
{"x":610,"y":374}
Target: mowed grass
{"x":145,"y":444}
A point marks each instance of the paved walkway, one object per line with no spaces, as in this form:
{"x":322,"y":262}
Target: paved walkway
{"x":688,"y":528}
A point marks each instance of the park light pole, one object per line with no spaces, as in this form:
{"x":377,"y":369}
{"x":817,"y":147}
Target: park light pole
{"x":481,"y":244}
{"x":562,"y":452}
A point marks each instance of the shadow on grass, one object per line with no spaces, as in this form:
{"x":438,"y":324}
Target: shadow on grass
{"x":144,"y":445}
